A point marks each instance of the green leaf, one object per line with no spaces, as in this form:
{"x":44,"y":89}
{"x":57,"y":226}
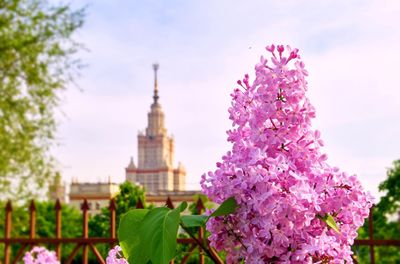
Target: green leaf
{"x":227,"y":207}
{"x":194,"y":220}
{"x":182,"y":207}
{"x":330,"y":222}
{"x":158,"y":232}
{"x":128,"y":230}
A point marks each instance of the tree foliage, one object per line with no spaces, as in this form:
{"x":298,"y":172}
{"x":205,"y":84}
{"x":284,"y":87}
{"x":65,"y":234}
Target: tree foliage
{"x":390,"y":202}
{"x":128,"y":197}
{"x":37,"y":60}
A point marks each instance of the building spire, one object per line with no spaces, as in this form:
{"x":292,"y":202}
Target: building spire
{"x":155,"y":96}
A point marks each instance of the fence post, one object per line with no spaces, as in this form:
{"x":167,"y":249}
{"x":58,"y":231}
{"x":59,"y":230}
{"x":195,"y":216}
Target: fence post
{"x":199,"y":208}
{"x":57,"y":208}
{"x":371,"y":235}
{"x":139,"y":204}
{"x":112,"y":219}
{"x":85,"y":230}
{"x":170,"y":205}
{"x":32,"y":220}
{"x":7,"y":232}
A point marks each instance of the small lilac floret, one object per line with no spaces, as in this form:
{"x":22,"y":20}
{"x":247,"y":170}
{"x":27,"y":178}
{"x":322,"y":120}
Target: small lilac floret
{"x":279,"y":177}
{"x":115,"y":256}
{"x":40,"y":255}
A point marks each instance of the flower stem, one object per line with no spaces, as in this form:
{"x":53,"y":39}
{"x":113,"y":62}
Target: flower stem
{"x":211,"y":253}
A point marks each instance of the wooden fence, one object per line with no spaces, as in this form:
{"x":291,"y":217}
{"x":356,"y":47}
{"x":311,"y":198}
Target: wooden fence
{"x":83,"y":243}
{"x":86,"y":243}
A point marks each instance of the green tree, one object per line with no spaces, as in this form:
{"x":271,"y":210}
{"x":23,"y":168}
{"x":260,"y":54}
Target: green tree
{"x":389,"y":204}
{"x":385,"y":219}
{"x":37,"y":61}
{"x":128,"y":197}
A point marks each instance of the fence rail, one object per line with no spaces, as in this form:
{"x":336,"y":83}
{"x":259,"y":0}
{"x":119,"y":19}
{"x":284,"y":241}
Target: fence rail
{"x":88,"y":244}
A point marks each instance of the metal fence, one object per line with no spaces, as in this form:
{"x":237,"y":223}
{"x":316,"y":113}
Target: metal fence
{"x":88,"y":244}
{"x":85,"y":244}
{"x":372,"y":242}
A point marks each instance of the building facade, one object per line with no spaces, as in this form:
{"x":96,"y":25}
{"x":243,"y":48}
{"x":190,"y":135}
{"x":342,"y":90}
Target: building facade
{"x":98,"y":195}
{"x":155,"y":170}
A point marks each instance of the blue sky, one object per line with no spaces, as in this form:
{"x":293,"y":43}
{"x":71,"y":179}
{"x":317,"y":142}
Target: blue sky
{"x":350,"y":49}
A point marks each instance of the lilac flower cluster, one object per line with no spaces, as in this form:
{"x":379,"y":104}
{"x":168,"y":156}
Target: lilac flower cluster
{"x":40,"y":255}
{"x":279,"y":177}
{"x":115,"y":256}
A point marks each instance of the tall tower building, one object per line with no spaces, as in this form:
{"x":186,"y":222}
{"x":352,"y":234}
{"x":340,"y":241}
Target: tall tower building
{"x":155,"y":170}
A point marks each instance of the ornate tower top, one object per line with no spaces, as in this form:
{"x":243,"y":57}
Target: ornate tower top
{"x":155,"y":168}
{"x":155,"y":68}
{"x":155,"y":116}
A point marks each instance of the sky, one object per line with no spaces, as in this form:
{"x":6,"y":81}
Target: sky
{"x":350,"y":48}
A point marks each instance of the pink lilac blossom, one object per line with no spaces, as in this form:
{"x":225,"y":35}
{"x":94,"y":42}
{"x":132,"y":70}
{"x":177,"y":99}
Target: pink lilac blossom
{"x":40,"y":255}
{"x":115,"y":256}
{"x":279,"y":176}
